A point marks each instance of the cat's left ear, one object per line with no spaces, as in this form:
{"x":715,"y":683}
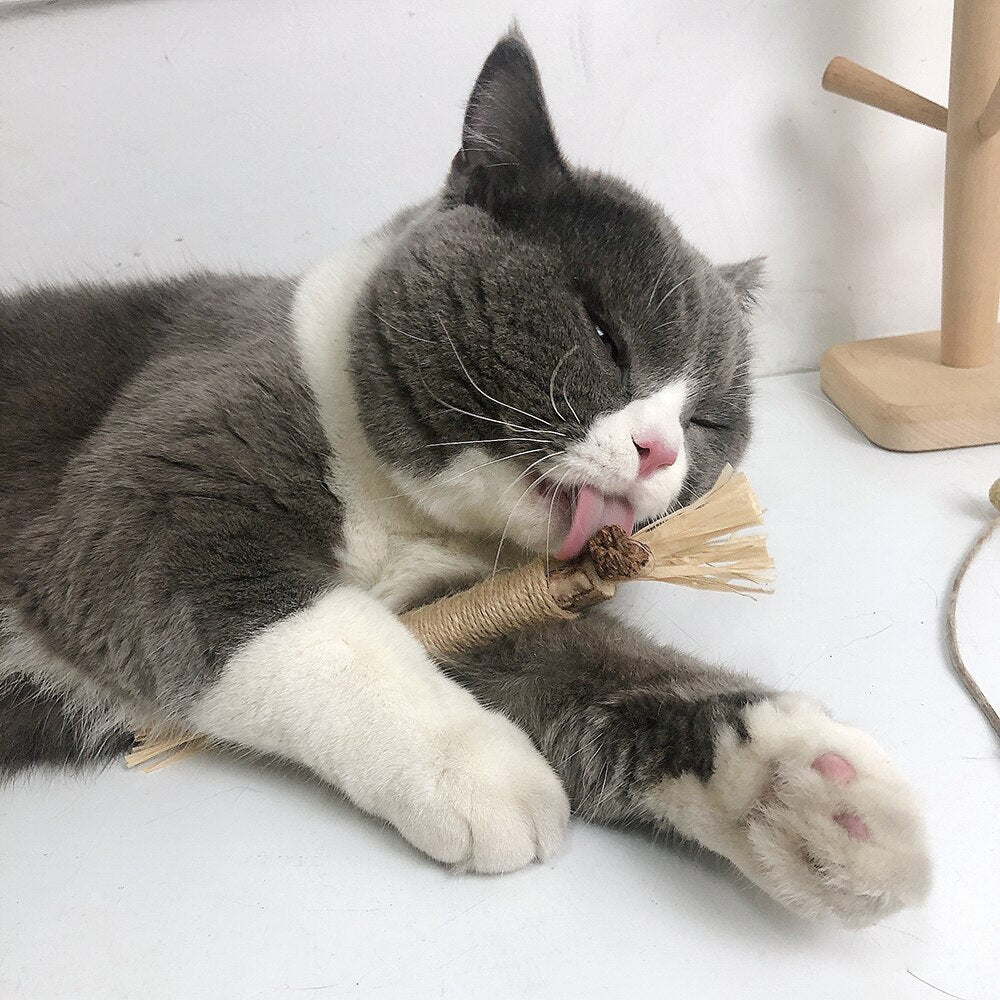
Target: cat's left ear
{"x":508,"y":146}
{"x":747,"y":279}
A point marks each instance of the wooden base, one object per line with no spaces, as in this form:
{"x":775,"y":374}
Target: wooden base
{"x":898,"y":394}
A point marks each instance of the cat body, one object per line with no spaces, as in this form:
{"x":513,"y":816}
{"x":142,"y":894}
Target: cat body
{"x":217,"y":494}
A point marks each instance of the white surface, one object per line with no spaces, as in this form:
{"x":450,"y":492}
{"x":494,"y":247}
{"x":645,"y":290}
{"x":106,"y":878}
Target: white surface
{"x":218,"y":879}
{"x":144,"y":136}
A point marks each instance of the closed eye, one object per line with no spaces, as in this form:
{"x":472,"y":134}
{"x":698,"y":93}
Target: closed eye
{"x":611,"y":343}
{"x":710,"y":423}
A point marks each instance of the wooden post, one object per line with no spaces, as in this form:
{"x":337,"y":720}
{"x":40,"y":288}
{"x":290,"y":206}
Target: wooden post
{"x":924,"y":391}
{"x":989,"y":121}
{"x":970,"y":290}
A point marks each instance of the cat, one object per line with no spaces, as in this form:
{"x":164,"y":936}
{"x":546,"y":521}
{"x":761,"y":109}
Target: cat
{"x":217,"y":493}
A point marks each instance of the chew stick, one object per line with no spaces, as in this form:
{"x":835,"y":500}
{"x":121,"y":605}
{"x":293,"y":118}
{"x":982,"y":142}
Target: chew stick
{"x":699,"y":546}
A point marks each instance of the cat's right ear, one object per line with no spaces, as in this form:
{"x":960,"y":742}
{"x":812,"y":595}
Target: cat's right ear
{"x":747,"y":279}
{"x":508,"y":147}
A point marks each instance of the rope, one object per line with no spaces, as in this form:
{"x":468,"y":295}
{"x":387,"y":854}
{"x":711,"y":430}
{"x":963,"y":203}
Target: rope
{"x":974,"y":690}
{"x":490,"y":609}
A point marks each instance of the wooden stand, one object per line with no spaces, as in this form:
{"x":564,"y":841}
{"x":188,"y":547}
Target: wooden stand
{"x":927,"y":391}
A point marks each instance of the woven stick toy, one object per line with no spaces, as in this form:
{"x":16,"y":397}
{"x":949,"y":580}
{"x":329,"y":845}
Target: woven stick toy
{"x":702,"y":545}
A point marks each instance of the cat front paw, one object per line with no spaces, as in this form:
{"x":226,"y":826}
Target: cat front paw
{"x":487,"y":801}
{"x":810,"y":810}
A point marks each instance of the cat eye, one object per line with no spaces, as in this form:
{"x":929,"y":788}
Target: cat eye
{"x":709,"y":422}
{"x":611,"y":343}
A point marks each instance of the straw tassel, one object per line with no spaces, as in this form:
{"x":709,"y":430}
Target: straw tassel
{"x":701,"y":546}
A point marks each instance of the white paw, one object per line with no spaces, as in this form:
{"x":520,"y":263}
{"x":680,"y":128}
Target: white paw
{"x":810,"y":810}
{"x":487,"y":801}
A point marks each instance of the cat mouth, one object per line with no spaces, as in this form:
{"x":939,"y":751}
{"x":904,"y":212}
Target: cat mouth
{"x":588,"y":510}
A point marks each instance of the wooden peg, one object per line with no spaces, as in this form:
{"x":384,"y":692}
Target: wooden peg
{"x":848,"y":79}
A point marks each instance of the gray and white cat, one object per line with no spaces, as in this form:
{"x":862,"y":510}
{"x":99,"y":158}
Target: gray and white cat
{"x":216,"y":494}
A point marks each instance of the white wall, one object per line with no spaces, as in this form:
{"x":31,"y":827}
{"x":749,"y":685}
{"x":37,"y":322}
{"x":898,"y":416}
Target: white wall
{"x":147,"y":136}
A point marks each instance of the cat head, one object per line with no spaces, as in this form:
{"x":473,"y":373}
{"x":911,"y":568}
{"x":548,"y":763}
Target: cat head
{"x":540,"y":352}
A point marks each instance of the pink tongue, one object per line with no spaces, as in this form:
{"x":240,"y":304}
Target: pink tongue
{"x":593,"y":510}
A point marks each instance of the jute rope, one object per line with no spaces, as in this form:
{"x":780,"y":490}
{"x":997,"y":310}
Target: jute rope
{"x":486,"y":611}
{"x":536,"y":592}
{"x":969,"y":682}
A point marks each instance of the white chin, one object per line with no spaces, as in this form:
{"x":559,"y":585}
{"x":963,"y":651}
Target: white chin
{"x":532,"y":528}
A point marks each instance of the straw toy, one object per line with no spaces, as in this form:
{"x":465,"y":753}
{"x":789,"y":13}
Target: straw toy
{"x":703,"y":545}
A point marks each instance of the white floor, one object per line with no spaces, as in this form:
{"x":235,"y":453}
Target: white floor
{"x":221,"y":880}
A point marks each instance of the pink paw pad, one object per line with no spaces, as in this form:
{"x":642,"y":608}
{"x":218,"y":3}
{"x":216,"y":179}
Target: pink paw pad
{"x":834,"y":768}
{"x":855,"y":826}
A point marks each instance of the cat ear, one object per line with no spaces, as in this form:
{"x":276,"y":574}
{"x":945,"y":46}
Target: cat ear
{"x":747,"y":279}
{"x":508,"y":146}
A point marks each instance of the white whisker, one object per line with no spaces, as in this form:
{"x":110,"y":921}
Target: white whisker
{"x":506,"y":424}
{"x":548,"y":523}
{"x":552,"y":381}
{"x":656,"y":284}
{"x":554,"y":454}
{"x":672,"y":290}
{"x":402,"y":333}
{"x":667,"y":325}
{"x":503,"y":534}
{"x":572,"y":409}
{"x":468,"y":472}
{"x":491,"y":420}
{"x":445,"y":444}
{"x":472,"y":381}
{"x":566,"y":400}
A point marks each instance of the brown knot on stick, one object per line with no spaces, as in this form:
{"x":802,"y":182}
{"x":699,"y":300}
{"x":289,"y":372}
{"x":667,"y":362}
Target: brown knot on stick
{"x":615,"y":555}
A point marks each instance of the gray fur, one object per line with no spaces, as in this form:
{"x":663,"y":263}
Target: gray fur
{"x":162,"y":476}
{"x":612,"y":711}
{"x":504,"y":270}
{"x":162,"y":490}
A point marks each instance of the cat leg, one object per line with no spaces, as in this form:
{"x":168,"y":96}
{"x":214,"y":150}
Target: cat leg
{"x":810,"y":810}
{"x":343,"y":688}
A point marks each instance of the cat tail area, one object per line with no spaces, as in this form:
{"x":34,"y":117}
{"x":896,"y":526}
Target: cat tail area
{"x":42,"y":727}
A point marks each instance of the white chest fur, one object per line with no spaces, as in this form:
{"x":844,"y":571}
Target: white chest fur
{"x":388,"y":548}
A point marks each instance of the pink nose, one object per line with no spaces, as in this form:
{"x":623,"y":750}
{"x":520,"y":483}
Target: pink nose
{"x":654,"y":455}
